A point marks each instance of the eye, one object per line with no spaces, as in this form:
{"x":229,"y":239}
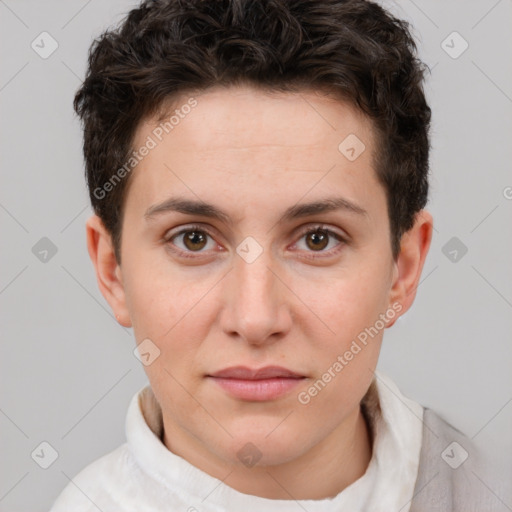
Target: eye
{"x":319,"y":238}
{"x":191,"y":240}
{"x":196,"y":239}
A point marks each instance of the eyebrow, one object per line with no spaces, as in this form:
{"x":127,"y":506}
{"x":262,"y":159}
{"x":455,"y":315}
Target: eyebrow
{"x":200,"y":208}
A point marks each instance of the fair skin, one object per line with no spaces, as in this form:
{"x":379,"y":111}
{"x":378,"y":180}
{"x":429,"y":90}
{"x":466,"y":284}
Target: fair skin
{"x":299,"y":304}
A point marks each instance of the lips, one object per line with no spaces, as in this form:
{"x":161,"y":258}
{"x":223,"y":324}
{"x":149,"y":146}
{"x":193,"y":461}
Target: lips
{"x":256,"y":385}
{"x":268,"y":372}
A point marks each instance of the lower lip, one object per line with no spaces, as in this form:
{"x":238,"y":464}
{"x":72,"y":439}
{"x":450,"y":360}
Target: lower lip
{"x":258,"y":390}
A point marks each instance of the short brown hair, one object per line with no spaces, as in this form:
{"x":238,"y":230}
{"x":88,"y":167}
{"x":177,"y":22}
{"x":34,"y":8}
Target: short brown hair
{"x":353,"y":49}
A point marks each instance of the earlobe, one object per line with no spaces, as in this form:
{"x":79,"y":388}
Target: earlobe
{"x":414,"y":248}
{"x":108,"y":272}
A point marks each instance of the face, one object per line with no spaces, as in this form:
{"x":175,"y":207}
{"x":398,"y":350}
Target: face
{"x":268,"y":281}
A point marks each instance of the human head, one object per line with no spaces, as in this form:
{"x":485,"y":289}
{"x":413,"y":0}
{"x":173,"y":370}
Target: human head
{"x":255,"y":150}
{"x":352,"y":49}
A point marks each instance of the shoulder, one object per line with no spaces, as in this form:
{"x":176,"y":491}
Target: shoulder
{"x":97,"y":485}
{"x":454,"y":475}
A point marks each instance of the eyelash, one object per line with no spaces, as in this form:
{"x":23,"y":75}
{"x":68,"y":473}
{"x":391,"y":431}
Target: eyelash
{"x":314,"y":229}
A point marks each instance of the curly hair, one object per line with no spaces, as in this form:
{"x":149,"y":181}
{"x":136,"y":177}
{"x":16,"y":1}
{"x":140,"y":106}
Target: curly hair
{"x":352,"y":49}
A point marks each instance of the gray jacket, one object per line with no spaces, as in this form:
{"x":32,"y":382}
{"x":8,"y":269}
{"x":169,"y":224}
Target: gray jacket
{"x":453,"y":476}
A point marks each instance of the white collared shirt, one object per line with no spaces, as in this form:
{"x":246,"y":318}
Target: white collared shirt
{"x":142,"y":475}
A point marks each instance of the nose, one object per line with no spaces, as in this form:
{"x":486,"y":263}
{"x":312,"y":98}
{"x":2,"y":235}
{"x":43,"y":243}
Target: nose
{"x":257,"y":304}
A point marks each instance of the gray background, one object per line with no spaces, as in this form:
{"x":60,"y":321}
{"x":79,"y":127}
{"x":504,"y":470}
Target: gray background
{"x":67,"y":368}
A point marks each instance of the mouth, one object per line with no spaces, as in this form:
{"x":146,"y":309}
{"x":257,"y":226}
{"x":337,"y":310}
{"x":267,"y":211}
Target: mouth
{"x":257,"y":385}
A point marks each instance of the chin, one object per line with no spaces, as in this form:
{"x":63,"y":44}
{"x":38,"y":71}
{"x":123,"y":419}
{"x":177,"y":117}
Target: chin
{"x":257,"y":449}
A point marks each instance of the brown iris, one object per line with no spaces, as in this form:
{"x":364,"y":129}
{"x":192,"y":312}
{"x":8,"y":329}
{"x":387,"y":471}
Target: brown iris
{"x":194,"y":240}
{"x":317,"y":240}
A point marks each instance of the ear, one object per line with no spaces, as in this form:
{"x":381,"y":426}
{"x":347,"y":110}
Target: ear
{"x":414,"y":247}
{"x":108,"y":272}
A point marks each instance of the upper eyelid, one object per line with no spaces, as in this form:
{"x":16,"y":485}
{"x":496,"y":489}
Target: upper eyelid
{"x":319,"y":227}
{"x":185,"y":229}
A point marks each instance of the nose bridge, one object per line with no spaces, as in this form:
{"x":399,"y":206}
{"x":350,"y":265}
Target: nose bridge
{"x":254,"y":278}
{"x":254,"y":303}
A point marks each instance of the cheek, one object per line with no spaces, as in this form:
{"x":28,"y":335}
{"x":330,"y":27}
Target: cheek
{"x":345,"y":362}
{"x":175,"y":311}
{"x":348,"y":355}
{"x":157,"y":295}
{"x":348,"y":305}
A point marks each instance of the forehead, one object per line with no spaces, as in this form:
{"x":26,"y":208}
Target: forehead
{"x":219,"y":114}
{"x":253,"y":140}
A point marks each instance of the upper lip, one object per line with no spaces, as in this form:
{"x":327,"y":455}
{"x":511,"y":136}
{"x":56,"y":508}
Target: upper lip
{"x":245,"y":373}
